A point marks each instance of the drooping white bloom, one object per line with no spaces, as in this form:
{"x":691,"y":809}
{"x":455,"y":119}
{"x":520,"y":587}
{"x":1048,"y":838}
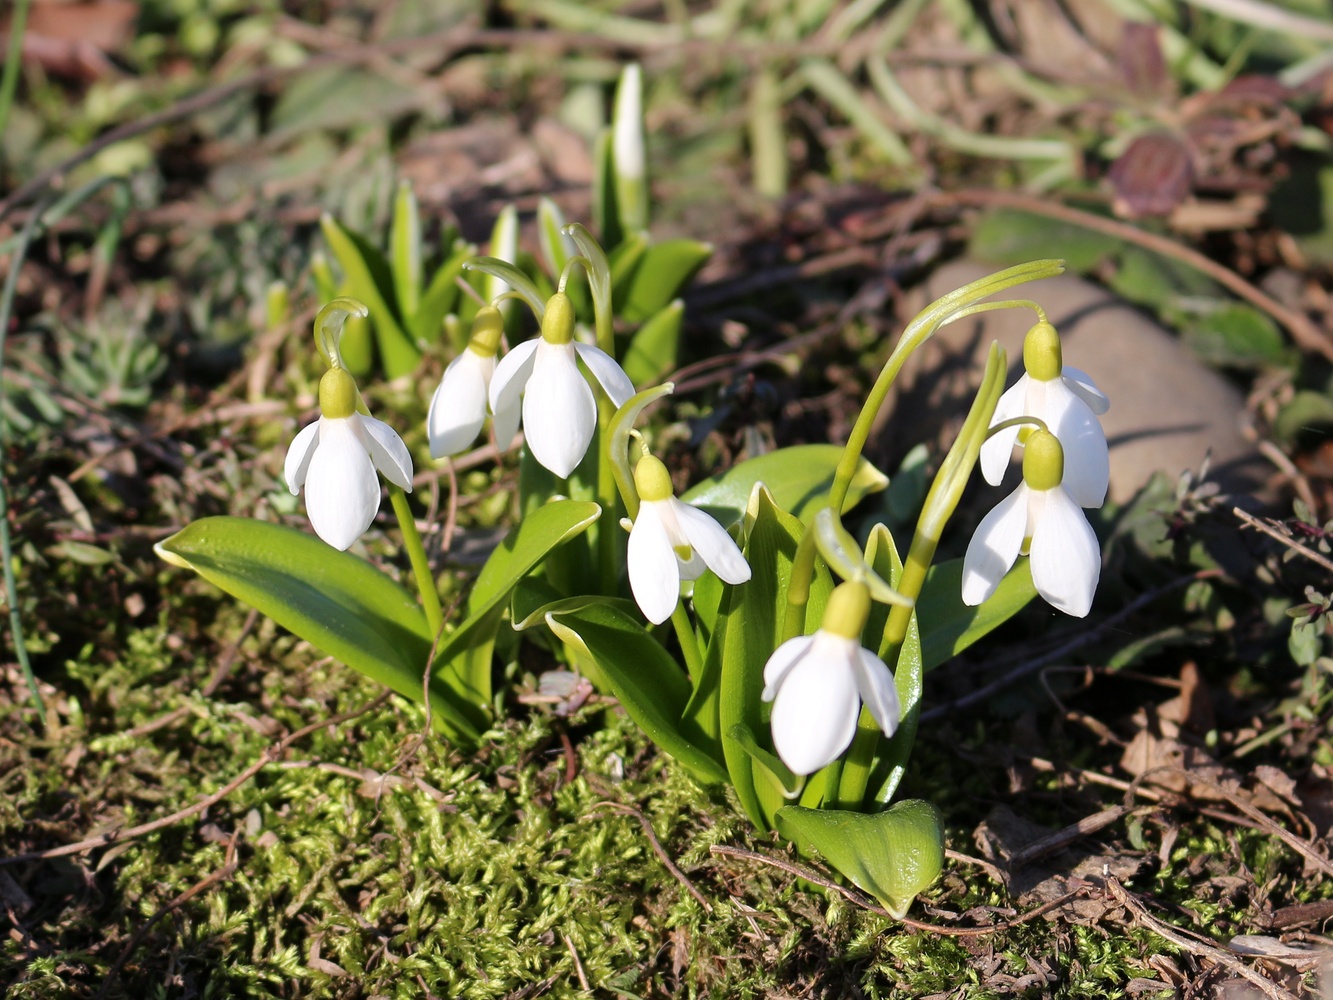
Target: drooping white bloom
{"x":1042,"y":519}
{"x":817,"y":683}
{"x":559,"y":411}
{"x":1067,"y":401}
{"x":458,"y":408}
{"x":335,"y":459}
{"x":671,"y":541}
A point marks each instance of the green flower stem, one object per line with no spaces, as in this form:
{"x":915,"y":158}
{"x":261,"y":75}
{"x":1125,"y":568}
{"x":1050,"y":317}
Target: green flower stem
{"x":416,"y":553}
{"x":608,"y":544}
{"x":942,"y":311}
{"x":798,"y":586}
{"x":689,"y":642}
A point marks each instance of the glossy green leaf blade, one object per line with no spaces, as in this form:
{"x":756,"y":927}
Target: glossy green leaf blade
{"x":798,"y":477}
{"x":652,"y":351}
{"x":370,"y":280}
{"x":659,"y":277}
{"x":648,"y":683}
{"x":338,"y":603}
{"x":892,"y":855}
{"x":765,"y":760}
{"x":745,"y":635}
{"x":948,"y":626}
{"x":530,"y":542}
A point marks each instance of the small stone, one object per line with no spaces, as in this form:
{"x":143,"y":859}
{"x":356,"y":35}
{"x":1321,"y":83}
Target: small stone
{"x":1168,"y":410}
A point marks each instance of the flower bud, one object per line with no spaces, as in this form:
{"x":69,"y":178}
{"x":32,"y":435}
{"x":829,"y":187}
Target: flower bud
{"x":1041,"y":353}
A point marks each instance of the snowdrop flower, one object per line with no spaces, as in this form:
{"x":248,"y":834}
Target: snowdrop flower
{"x":335,"y":459}
{"x":458,"y":408}
{"x":1067,"y":401}
{"x":817,"y":683}
{"x":671,"y":541}
{"x":559,"y":412}
{"x":1042,"y":518}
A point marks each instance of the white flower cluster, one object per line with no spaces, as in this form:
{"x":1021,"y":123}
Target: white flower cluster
{"x":1065,"y":468}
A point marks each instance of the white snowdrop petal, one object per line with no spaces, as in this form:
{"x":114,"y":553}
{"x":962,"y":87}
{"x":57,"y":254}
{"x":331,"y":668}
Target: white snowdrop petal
{"x":711,"y":541}
{"x":504,"y":425}
{"x":386,"y":449}
{"x":605,"y":369}
{"x":879,"y":692}
{"x":559,"y":414}
{"x":995,"y":546}
{"x":342,"y":492}
{"x":458,"y":408}
{"x":1066,"y":559}
{"x":998,"y":448}
{"x":654,"y":574}
{"x":1080,"y":383}
{"x":817,"y":704}
{"x":1087,"y":461}
{"x":298,"y":456}
{"x":511,"y":376}
{"x":782,"y":660}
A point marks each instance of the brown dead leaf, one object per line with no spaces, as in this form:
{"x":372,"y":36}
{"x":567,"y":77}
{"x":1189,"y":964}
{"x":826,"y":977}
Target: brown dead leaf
{"x":1151,"y":177}
{"x":74,"y":39}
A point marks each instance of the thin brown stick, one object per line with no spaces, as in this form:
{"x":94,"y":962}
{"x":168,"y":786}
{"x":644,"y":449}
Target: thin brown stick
{"x":1192,"y":943}
{"x":269,"y":756}
{"x":223,"y":873}
{"x":662,"y":855}
{"x":866,"y":903}
{"x":1302,"y":329}
{"x":1290,"y":543}
{"x":578,"y":965}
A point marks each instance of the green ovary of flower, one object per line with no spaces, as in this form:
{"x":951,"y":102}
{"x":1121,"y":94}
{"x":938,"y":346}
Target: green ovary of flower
{"x":337,"y":394}
{"x":1043,"y":461}
{"x":848,"y":610}
{"x":558,"y":320}
{"x":651,"y":480}
{"x":487,"y":329}
{"x":1041,"y":353}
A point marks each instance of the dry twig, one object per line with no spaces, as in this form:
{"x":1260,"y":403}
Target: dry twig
{"x":662,"y":855}
{"x":1286,"y":540}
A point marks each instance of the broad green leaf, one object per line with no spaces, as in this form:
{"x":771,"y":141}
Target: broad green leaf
{"x":948,"y":626}
{"x":338,"y":603}
{"x":1306,"y":410}
{"x":624,"y":261}
{"x":369,"y":280}
{"x":648,"y":682}
{"x":892,"y":855}
{"x":522,"y":550}
{"x":744,"y":636}
{"x":660,"y":275}
{"x":439,"y":297}
{"x":1008,"y":236}
{"x":798,"y":477}
{"x":405,"y":249}
{"x":765,"y":761}
{"x":652,"y":351}
{"x":1235,"y":335}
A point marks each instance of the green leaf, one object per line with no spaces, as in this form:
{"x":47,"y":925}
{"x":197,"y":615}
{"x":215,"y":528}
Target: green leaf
{"x":439,"y":298}
{"x":948,"y":626}
{"x":555,"y":245}
{"x":745,"y":635}
{"x":405,"y":250}
{"x":1008,"y":236}
{"x":522,"y":550}
{"x":652,"y":351}
{"x":659,"y":276}
{"x":338,"y":603}
{"x":623,"y":262}
{"x":648,"y":683}
{"x":605,"y":214}
{"x":892,"y":855}
{"x":1305,"y":411}
{"x":1235,"y":335}
{"x":765,"y":761}
{"x":798,"y":477}
{"x":369,"y":280}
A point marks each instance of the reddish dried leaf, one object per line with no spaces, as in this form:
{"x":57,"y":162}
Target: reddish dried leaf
{"x":1152,"y":176}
